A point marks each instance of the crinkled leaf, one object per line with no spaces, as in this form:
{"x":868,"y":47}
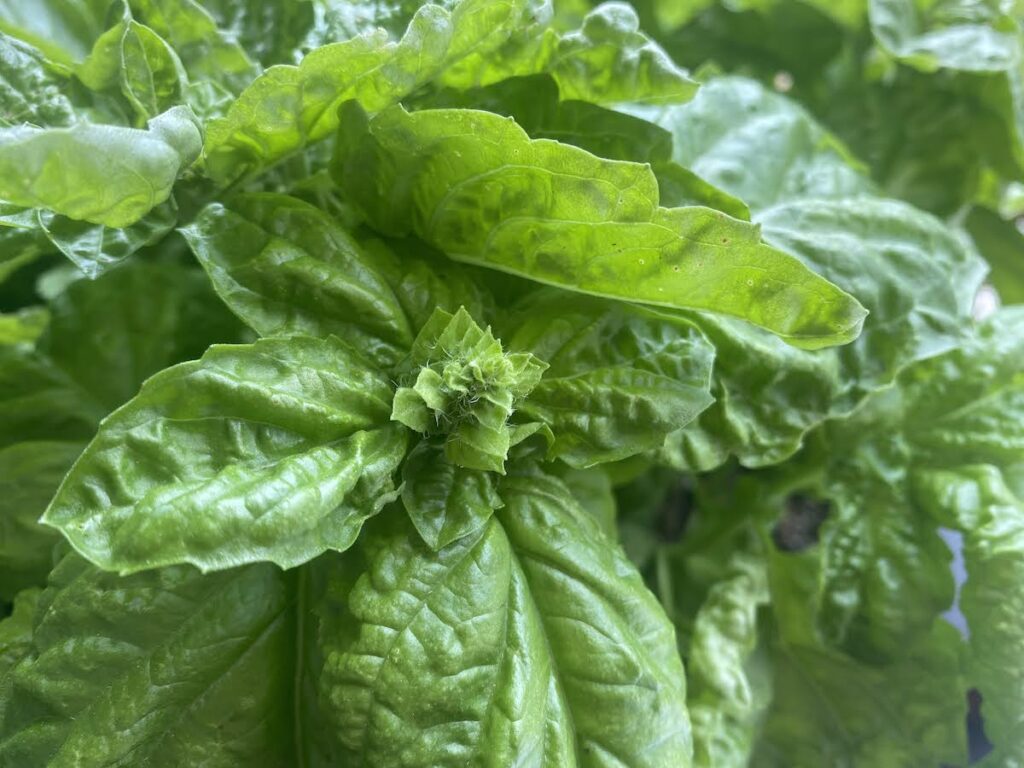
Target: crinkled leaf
{"x":100,"y":173}
{"x":619,"y":380}
{"x":610,"y":60}
{"x":284,"y":268}
{"x":167,"y":668}
{"x":273,"y":451}
{"x":445,"y":501}
{"x":30,"y":91}
{"x":915,"y":276}
{"x":559,"y":215}
{"x":532,"y":641}
{"x":290,"y":106}
{"x":534,"y":103}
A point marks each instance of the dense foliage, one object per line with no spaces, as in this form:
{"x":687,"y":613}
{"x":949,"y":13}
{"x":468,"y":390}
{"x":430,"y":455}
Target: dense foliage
{"x":508,"y":383}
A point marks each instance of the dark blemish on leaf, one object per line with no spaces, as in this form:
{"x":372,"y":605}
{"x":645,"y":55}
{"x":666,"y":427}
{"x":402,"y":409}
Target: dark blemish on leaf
{"x":675,"y":268}
{"x":725,"y":240}
{"x":675,"y":512}
{"x":978,"y":745}
{"x":798,"y":527}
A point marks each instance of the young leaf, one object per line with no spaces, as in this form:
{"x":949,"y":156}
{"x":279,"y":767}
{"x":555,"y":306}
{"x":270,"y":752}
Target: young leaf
{"x":100,"y":173}
{"x":445,"y":501}
{"x":559,"y":215}
{"x":273,"y":451}
{"x":135,"y":58}
{"x":464,"y":386}
{"x":620,"y":378}
{"x":532,"y":641}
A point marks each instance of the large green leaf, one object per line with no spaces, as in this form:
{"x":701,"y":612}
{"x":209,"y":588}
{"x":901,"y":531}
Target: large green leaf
{"x":620,"y":378}
{"x":533,"y":641}
{"x":559,"y":215}
{"x":284,"y":267}
{"x":290,"y":106}
{"x":103,"y":174}
{"x":273,"y":451}
{"x":535,"y":104}
{"x":167,"y":668}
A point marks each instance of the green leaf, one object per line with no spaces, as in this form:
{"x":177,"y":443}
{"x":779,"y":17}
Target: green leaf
{"x":831,"y":710}
{"x":39,"y":401}
{"x":103,"y":174}
{"x":620,"y":378}
{"x":198,"y":670}
{"x":208,"y":54}
{"x":759,"y":146}
{"x":30,"y":91}
{"x":559,"y":215}
{"x":16,"y":632}
{"x":445,"y":501}
{"x":533,"y":640}
{"x":290,"y":106}
{"x":1002,"y":245}
{"x":724,"y":705}
{"x":135,"y":58}
{"x":29,"y":474}
{"x":249,"y":20}
{"x":284,"y":267}
{"x":111,"y":334}
{"x":978,"y":501}
{"x":63,"y":29}
{"x":534,"y":103}
{"x":610,"y":60}
{"x":273,"y":451}
{"x":94,"y":248}
{"x":24,"y":325}
{"x":976,"y":37}
{"x":461,"y":384}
